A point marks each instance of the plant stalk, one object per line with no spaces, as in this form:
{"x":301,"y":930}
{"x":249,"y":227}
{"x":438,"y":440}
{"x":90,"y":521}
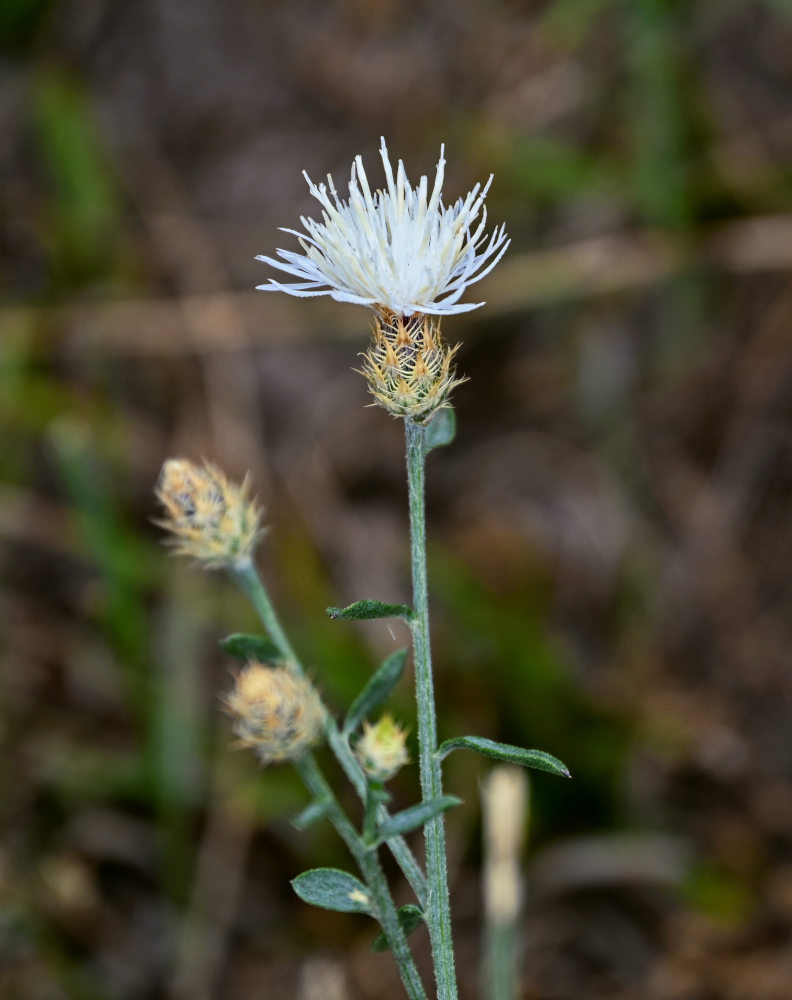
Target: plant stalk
{"x":397,"y":845}
{"x":438,"y":909}
{"x":247,"y":579}
{"x":371,"y":870}
{"x":499,"y":976}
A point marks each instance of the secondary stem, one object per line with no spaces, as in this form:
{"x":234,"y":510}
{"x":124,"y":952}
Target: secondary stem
{"x":438,"y":909}
{"x":370,"y":868}
{"x":397,"y":845}
{"x":248,"y":580}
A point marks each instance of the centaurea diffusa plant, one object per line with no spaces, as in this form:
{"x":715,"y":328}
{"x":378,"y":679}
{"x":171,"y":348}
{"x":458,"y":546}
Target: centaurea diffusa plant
{"x":408,"y":256}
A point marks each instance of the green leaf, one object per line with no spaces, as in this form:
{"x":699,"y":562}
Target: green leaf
{"x":251,"y":647}
{"x":415,"y":816}
{"x":410,"y":918}
{"x":505,"y":751}
{"x":376,"y":691}
{"x":371,"y":609}
{"x":441,"y":429}
{"x":332,"y":889}
{"x":316,"y":810}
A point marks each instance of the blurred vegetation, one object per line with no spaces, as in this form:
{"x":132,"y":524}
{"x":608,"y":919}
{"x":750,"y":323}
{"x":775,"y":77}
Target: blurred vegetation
{"x":611,"y":539}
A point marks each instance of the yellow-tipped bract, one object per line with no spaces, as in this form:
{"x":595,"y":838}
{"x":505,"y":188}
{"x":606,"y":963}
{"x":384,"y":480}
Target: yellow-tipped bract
{"x":408,"y":366}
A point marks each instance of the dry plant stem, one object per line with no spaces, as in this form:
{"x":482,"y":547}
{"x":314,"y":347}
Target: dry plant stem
{"x":438,"y":909}
{"x":371,"y":870}
{"x":248,"y":580}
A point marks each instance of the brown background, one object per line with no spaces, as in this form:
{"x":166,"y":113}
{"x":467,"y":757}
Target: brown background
{"x":611,"y":535}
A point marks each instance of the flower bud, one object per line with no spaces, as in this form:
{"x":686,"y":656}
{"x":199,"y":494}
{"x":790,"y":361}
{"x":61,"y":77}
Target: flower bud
{"x":408,"y":366}
{"x":382,"y":750}
{"x":277,"y":713}
{"x":212,"y":519}
{"x":505,"y":798}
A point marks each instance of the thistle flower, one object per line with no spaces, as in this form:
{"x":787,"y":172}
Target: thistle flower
{"x":398,"y":250}
{"x":408,"y":256}
{"x":211,"y":519}
{"x":382,"y":749}
{"x":277,"y":713}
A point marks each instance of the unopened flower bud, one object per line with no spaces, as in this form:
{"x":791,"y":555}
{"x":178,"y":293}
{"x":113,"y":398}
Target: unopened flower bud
{"x":382,"y":749}
{"x":408,"y":366}
{"x":277,"y":713}
{"x":505,"y":798}
{"x":212,"y":519}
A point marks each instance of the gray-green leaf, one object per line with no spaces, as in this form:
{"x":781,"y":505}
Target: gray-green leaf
{"x":441,"y":429}
{"x":415,"y":816}
{"x":332,"y":889}
{"x":376,"y":690}
{"x":316,"y":810}
{"x":410,"y":918}
{"x":371,"y":609}
{"x":505,"y":751}
{"x":250,"y":647}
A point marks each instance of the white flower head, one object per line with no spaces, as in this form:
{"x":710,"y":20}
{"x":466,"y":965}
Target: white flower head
{"x":401,"y":249}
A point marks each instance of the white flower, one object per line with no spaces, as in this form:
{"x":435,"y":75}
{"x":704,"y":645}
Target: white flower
{"x":393,"y":248}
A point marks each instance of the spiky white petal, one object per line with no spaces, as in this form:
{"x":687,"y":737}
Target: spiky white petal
{"x":401,"y":248}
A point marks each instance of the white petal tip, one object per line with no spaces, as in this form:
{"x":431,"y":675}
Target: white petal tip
{"x":400,"y":245}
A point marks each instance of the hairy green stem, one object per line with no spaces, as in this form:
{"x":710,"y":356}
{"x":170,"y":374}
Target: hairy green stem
{"x":247,"y":579}
{"x":249,"y":582}
{"x":375,"y":796}
{"x":438,"y":908}
{"x":397,"y":845}
{"x":371,"y":870}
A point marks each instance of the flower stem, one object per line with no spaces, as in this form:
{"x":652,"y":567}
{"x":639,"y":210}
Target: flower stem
{"x":249,"y":582}
{"x":499,"y":975}
{"x":370,"y":868}
{"x":247,"y":579}
{"x":438,"y":910}
{"x":397,"y":845}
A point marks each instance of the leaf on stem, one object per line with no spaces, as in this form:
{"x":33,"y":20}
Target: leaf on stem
{"x":441,"y":429}
{"x":371,"y":609}
{"x":251,"y":647}
{"x":410,"y":918}
{"x":316,"y":810}
{"x":332,"y":889}
{"x":376,"y":690}
{"x":536,"y":759}
{"x":415,"y":816}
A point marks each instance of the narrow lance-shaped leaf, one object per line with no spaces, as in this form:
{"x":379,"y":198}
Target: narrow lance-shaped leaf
{"x":332,"y":889}
{"x":371,"y":609}
{"x":410,"y":918}
{"x":376,"y":690}
{"x":316,"y":810}
{"x":441,"y":429}
{"x":536,"y":759}
{"x":415,"y":816}
{"x":250,"y":647}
